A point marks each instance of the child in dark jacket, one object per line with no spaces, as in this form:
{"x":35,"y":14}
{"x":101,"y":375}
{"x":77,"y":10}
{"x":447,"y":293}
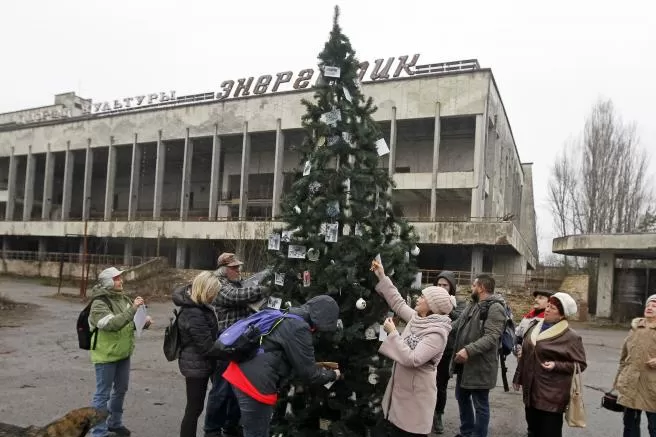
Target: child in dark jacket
{"x":198,"y":328}
{"x":287,"y":350}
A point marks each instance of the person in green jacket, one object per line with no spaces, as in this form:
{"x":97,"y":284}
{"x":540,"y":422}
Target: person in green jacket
{"x":115,"y":343}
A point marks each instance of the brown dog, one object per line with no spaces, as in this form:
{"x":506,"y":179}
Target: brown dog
{"x":76,"y":423}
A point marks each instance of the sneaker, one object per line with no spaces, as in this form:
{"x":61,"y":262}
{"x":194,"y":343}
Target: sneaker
{"x":438,"y":426}
{"x":120,"y":431}
{"x":232,"y":432}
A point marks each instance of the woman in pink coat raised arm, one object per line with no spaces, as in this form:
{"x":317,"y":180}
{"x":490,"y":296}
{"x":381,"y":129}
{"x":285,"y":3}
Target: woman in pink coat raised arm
{"x":411,"y":393}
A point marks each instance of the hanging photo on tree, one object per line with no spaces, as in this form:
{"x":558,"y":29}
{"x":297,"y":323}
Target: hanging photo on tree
{"x":307,"y":168}
{"x":286,"y":236}
{"x":279,"y":279}
{"x":274,"y":302}
{"x":332,"y":117}
{"x":347,"y":94}
{"x":296,"y":251}
{"x":330,"y":71}
{"x":381,"y":147}
{"x":274,"y":241}
{"x":332,"y":230}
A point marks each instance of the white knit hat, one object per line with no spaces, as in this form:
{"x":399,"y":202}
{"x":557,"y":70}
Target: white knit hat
{"x":438,"y":299}
{"x":650,"y":299}
{"x":106,"y":277}
{"x":568,"y":303}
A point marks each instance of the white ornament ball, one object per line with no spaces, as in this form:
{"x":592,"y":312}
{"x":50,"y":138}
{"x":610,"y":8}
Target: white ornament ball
{"x":415,"y":251}
{"x":373,"y":379}
{"x":297,"y":209}
{"x":361,"y":304}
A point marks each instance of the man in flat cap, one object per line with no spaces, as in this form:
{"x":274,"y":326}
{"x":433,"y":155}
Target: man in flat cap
{"x":233,"y":303}
{"x":537,"y":313}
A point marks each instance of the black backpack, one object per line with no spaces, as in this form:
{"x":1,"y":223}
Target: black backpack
{"x":172,"y":342}
{"x":84,"y":332}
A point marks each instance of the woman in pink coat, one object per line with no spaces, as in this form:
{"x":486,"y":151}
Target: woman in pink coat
{"x":411,"y":393}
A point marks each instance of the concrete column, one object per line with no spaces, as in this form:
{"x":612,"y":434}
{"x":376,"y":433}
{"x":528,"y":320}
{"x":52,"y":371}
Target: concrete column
{"x":11,"y":187}
{"x":278,"y":176}
{"x":186,"y":176}
{"x":245,"y":165}
{"x":215,"y":177}
{"x":80,"y":258}
{"x":605,"y":281}
{"x":479,"y":161}
{"x":181,"y":255}
{"x":391,"y":170}
{"x":5,"y":246}
{"x":477,"y":261}
{"x":43,"y":247}
{"x":135,"y":177}
{"x":436,"y":161}
{"x":127,"y":252}
{"x":67,"y":189}
{"x":111,"y":179}
{"x":48,"y":182}
{"x":28,"y":193}
{"x":88,"y":177}
{"x":159,"y":177}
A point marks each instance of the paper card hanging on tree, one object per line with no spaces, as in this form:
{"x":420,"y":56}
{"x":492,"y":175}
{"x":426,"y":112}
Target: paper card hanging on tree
{"x":321,"y":141}
{"x":332,"y":209}
{"x":349,"y":139}
{"x":381,"y":147}
{"x":286,"y":236}
{"x":296,"y":251}
{"x":306,"y":278}
{"x":332,"y":117}
{"x":331,"y":71}
{"x":274,"y":302}
{"x":279,"y":279}
{"x":322,"y":229}
{"x":332,"y":230}
{"x":274,"y":241}
{"x":333,"y":140}
{"x":347,"y":94}
{"x":347,"y":185}
{"x":358,"y":229}
{"x":307,"y":168}
{"x":416,"y":284}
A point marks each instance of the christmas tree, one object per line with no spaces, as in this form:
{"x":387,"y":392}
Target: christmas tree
{"x":339,"y":218}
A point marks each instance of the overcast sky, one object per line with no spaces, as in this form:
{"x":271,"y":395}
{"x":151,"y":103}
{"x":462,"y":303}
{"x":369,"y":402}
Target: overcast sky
{"x":551,"y":62}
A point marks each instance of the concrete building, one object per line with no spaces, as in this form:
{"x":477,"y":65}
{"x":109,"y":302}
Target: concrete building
{"x":185,"y":176}
{"x":626,"y":273}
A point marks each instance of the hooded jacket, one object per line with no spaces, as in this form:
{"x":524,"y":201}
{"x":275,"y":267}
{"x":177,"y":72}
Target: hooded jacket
{"x":198,"y":327}
{"x":115,"y":325}
{"x":288,"y":352}
{"x":481,"y":341}
{"x":411,"y":392}
{"x":457,"y":310}
{"x":635,"y":382}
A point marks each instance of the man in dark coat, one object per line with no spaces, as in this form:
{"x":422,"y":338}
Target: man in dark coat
{"x":288,"y":351}
{"x":232,"y":304}
{"x":446,"y":280}
{"x":476,"y":362}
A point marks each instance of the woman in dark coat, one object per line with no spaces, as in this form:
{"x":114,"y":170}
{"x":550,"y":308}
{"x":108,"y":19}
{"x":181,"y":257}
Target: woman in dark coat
{"x":546,"y":366}
{"x":198,"y":328}
{"x":288,"y":350}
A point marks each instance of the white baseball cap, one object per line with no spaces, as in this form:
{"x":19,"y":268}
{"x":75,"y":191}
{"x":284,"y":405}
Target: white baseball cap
{"x":110,"y":273}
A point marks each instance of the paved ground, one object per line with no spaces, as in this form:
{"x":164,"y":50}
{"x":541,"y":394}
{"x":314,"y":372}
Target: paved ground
{"x":43,"y":374}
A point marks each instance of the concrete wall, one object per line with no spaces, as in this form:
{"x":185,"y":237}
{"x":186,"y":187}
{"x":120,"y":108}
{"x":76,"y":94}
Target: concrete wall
{"x":414,"y":98}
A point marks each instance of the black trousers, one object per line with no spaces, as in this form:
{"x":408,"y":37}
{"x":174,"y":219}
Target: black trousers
{"x":442,"y":383}
{"x":196,"y":390}
{"x":544,"y":423}
{"x":385,"y":428}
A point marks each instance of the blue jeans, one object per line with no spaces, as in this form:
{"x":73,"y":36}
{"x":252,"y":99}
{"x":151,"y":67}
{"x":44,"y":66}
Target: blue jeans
{"x":474,"y":406}
{"x":222,"y":410}
{"x":255,"y":416}
{"x":632,"y":423}
{"x":111,"y":385}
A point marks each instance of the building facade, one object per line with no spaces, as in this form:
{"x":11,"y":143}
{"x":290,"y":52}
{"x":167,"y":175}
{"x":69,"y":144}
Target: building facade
{"x":185,"y":177}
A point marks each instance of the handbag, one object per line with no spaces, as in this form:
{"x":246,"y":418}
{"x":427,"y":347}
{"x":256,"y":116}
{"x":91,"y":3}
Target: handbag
{"x":609,"y":402}
{"x":575,"y":413}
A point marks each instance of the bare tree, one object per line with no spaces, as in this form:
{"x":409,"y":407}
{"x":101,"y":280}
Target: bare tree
{"x":599,"y":185}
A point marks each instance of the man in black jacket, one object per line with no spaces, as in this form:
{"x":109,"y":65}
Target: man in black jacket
{"x":288,"y":351}
{"x":232,"y":304}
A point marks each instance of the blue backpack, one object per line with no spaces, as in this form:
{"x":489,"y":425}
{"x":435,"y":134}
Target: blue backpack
{"x":242,"y":341}
{"x":507,"y":340}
